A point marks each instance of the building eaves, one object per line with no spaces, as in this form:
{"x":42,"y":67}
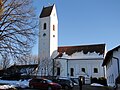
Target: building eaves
{"x":109,"y":55}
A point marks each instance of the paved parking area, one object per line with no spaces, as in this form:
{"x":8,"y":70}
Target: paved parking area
{"x":88,"y":87}
{"x":85,"y":87}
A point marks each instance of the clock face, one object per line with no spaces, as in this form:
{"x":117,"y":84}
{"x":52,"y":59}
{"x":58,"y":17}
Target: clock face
{"x":44,"y":34}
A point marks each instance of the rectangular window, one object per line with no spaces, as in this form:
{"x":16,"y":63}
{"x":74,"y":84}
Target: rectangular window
{"x":58,"y":70}
{"x":83,"y":70}
{"x":44,"y":26}
{"x":95,"y":70}
{"x":71,"y":71}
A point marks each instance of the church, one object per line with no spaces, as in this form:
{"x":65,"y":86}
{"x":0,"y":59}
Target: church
{"x":66,"y":61}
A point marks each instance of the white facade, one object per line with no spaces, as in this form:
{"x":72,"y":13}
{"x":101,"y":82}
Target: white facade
{"x":48,"y":38}
{"x":113,"y":67}
{"x":79,"y":61}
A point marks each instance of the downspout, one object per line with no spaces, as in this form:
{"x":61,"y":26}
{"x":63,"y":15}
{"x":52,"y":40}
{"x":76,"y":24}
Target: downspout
{"x":67,"y":68}
{"x":104,"y":71}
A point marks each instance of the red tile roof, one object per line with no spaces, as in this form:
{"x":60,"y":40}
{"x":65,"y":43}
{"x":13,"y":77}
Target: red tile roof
{"x":98,"y":48}
{"x":46,"y":11}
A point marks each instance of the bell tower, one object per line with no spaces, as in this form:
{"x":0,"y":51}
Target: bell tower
{"x":48,"y":36}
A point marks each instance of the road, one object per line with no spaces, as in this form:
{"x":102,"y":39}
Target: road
{"x":85,"y":87}
{"x":88,"y":87}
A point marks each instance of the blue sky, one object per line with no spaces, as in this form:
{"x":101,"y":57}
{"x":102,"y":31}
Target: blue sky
{"x":84,"y":22}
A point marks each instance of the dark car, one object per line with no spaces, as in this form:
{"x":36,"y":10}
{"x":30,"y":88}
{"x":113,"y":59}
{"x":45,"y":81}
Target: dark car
{"x":66,"y":84}
{"x":44,"y":84}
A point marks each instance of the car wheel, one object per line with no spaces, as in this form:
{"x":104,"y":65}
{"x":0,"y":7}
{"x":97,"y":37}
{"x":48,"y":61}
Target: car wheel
{"x":31,"y":86}
{"x":49,"y":88}
{"x":66,"y":88}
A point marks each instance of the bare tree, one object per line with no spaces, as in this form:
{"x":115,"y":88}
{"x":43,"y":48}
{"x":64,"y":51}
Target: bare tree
{"x":46,"y":66}
{"x":57,"y":65}
{"x":1,"y":9}
{"x":5,"y":61}
{"x":17,"y":27}
{"x":26,"y":59}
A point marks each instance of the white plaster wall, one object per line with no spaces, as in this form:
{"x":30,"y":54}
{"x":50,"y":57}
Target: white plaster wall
{"x":88,"y":61}
{"x":44,"y":42}
{"x":89,"y":66}
{"x":63,"y":68}
{"x":53,"y":40}
{"x":112,"y":68}
{"x":117,"y":55}
{"x":112,"y":72}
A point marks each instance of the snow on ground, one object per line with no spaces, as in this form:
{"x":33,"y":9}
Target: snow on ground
{"x":96,"y":84}
{"x":15,"y":83}
{"x":4,"y":87}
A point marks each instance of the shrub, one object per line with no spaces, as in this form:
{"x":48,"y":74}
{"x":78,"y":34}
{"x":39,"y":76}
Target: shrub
{"x":102,"y":81}
{"x":94,"y":80}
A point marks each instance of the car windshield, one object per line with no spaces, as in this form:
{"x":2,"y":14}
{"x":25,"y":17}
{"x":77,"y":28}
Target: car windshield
{"x":49,"y":81}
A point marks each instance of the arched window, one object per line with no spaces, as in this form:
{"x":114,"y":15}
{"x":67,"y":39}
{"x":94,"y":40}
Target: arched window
{"x":44,"y":26}
{"x":53,"y":27}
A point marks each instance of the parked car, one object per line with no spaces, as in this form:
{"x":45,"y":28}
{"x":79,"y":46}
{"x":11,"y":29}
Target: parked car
{"x":66,"y":84}
{"x":44,"y":84}
{"x":75,"y":81}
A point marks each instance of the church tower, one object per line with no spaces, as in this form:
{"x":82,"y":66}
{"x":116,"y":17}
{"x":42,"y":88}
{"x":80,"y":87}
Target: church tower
{"x":48,"y":37}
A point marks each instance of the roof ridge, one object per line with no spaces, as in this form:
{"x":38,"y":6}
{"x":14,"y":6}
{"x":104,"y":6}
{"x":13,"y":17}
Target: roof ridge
{"x":48,"y":6}
{"x":82,"y":45}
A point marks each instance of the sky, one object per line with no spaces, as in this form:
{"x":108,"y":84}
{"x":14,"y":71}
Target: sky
{"x":85,"y":22}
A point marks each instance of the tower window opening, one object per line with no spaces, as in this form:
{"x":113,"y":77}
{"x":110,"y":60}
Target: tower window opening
{"x":53,"y":27}
{"x":44,"y":34}
{"x":44,"y":26}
